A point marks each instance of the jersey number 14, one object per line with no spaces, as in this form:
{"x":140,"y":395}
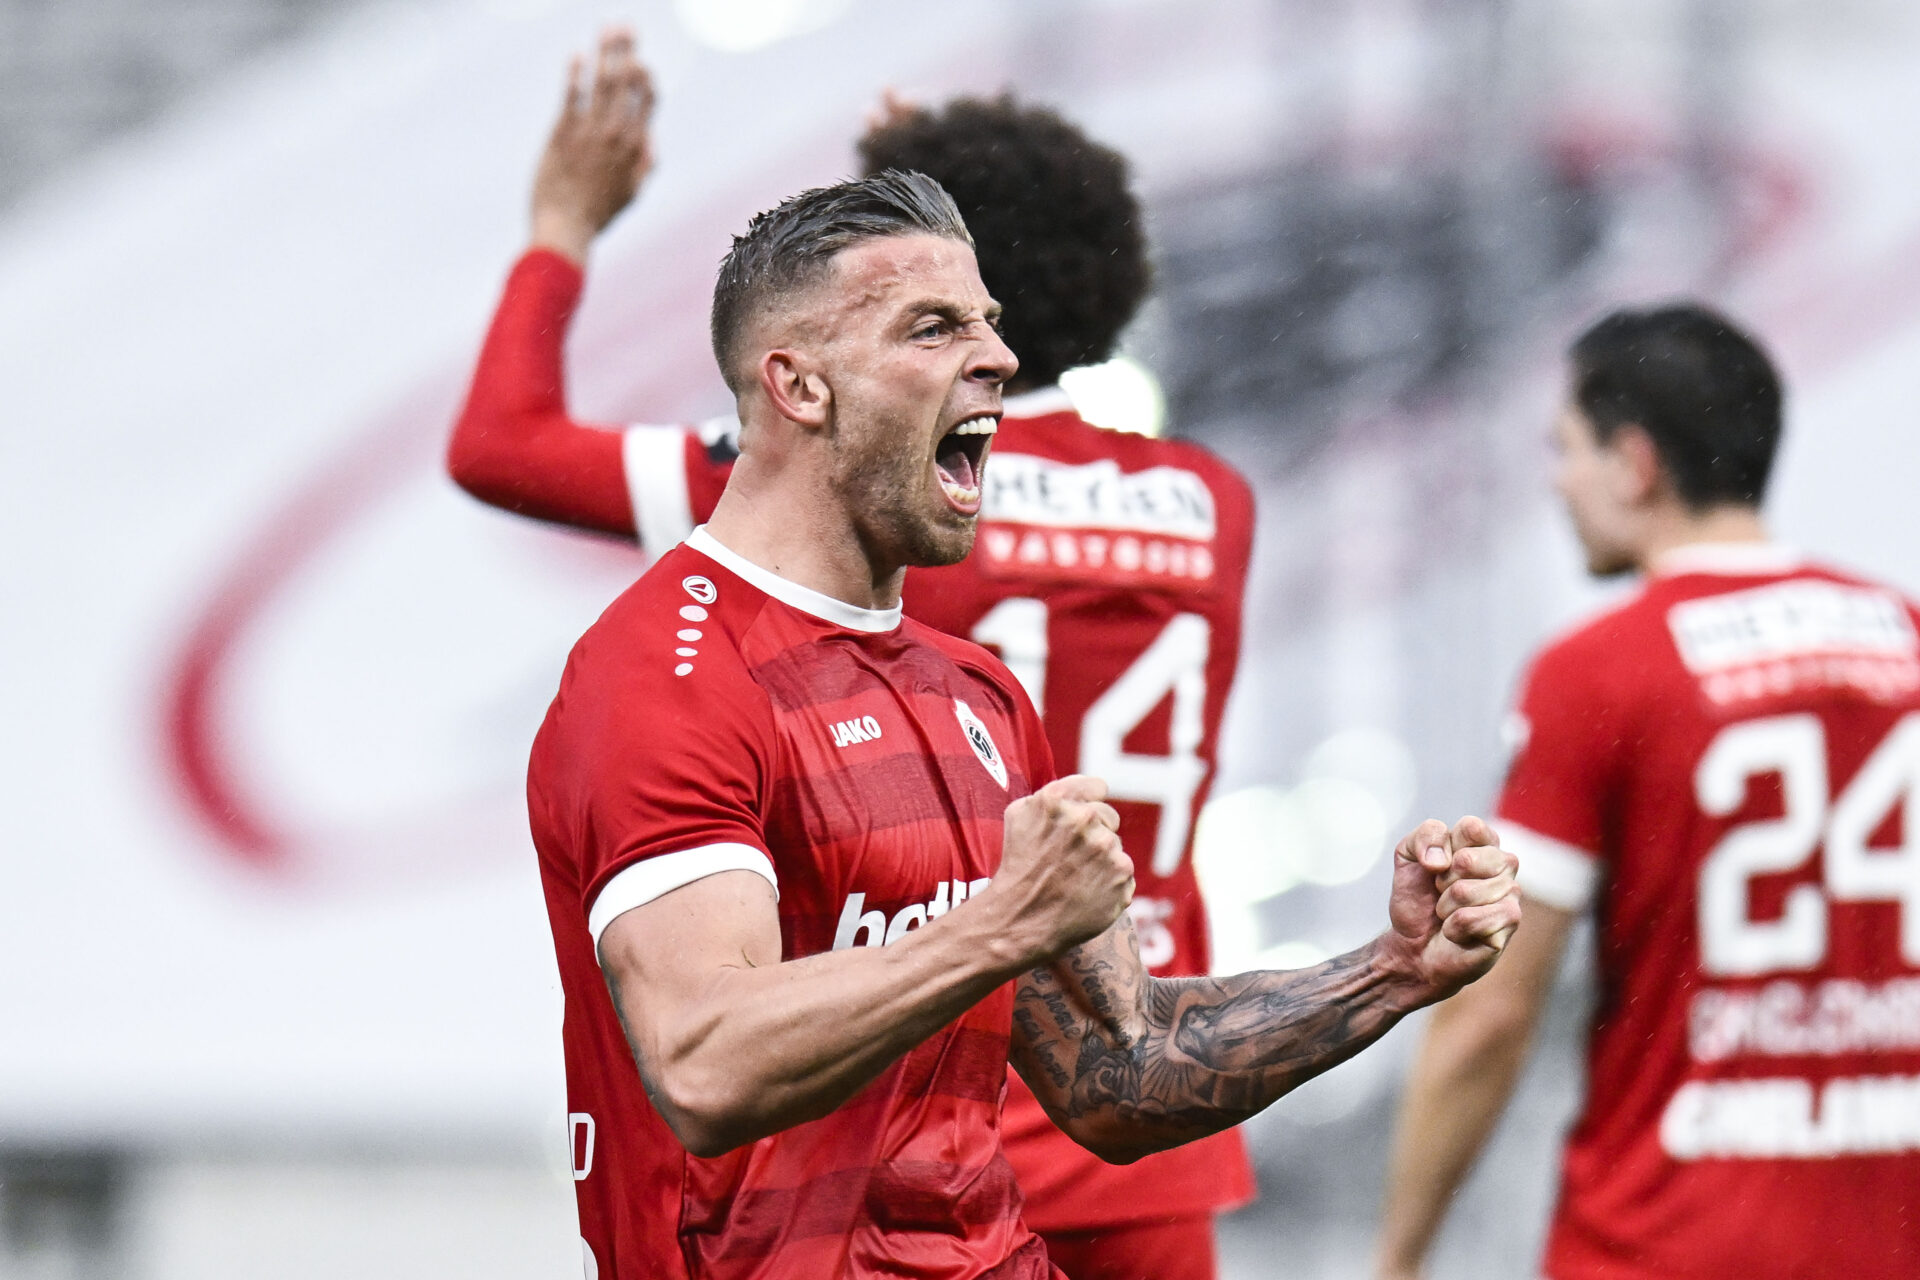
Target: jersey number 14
{"x":1175,"y":663}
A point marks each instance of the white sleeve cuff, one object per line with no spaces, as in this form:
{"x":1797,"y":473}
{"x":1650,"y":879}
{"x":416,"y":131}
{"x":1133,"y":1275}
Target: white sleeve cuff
{"x":641,"y":883}
{"x":1551,"y":871}
{"x":655,"y":460}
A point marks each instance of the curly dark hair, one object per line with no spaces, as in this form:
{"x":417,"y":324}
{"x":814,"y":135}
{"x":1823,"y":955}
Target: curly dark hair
{"x":1055,"y":228}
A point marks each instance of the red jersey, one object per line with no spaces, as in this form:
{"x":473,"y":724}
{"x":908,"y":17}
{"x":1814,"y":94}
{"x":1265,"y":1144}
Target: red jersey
{"x":1109,"y":573}
{"x":720,"y":718}
{"x":1729,"y":765}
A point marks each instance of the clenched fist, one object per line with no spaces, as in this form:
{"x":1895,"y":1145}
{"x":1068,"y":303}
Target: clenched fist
{"x":1454,"y":903}
{"x":1063,"y":876}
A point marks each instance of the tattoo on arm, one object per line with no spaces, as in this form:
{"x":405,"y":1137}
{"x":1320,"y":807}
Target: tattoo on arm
{"x":1139,"y":1064}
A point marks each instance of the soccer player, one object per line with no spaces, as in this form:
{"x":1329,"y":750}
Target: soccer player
{"x":1725,"y":770}
{"x":810,"y":877}
{"x":1109,"y":577}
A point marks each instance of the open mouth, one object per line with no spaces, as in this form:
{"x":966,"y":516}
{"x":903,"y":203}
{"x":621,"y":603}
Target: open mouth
{"x":961,"y":459}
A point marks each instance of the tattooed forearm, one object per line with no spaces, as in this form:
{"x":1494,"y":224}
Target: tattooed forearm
{"x":1043,"y":1054}
{"x":1154,"y":1062}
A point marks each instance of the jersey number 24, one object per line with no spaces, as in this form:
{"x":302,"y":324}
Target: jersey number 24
{"x":1795,"y":748}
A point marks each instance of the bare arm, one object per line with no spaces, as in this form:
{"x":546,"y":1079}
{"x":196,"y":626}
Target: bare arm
{"x":734,"y":1044}
{"x":1128,"y":1065}
{"x":1462,"y":1080}
{"x":515,"y":446}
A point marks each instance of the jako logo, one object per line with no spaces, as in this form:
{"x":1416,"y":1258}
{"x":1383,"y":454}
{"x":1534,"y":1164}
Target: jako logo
{"x":862,"y":928}
{"x":848,"y":732}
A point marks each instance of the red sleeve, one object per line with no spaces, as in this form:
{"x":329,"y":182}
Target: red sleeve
{"x":514,"y":446}
{"x":675,"y":476}
{"x":666,"y":775}
{"x":708,"y":467}
{"x":1560,"y":787}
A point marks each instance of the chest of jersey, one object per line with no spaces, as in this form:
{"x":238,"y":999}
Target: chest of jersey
{"x":895,"y":768}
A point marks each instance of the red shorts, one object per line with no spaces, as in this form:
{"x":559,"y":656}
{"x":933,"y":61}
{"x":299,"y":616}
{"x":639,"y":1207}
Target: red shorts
{"x":1168,"y":1249}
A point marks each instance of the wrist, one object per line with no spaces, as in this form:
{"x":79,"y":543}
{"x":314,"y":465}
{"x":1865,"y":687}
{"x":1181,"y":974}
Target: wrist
{"x":1006,"y":935}
{"x":1395,"y":964}
{"x":565,"y":234}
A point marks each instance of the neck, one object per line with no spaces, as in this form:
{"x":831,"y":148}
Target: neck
{"x":795,"y":529}
{"x":1670,"y":529}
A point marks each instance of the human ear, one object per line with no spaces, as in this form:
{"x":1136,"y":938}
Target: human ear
{"x":1636,"y":464}
{"x":795,"y":388}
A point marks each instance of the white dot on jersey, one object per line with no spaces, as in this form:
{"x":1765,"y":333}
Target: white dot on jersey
{"x":683,"y":668}
{"x":693,"y":613}
{"x":687,"y":653}
{"x":689,"y":634}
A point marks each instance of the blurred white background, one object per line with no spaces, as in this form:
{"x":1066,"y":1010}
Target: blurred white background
{"x":276,"y":994}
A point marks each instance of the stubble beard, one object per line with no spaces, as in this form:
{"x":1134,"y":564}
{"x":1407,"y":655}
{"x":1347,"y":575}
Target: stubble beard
{"x":886,"y":495}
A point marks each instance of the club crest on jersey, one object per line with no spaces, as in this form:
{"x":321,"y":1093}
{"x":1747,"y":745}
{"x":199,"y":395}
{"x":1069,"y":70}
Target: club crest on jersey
{"x":981,"y":741}
{"x":701,"y":589}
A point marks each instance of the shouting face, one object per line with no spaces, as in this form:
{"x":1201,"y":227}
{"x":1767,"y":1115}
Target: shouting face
{"x":915,"y":365}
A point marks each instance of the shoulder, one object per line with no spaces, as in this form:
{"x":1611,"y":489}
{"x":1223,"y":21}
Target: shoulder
{"x":1849,"y":578}
{"x":667,"y":651}
{"x":1605,"y":647}
{"x":1233,"y":496}
{"x":1199,"y":459}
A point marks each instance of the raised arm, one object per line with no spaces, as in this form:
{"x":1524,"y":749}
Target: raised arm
{"x":734,"y":1044}
{"x":1461,"y":1082}
{"x":515,"y":446}
{"x":1128,"y":1065}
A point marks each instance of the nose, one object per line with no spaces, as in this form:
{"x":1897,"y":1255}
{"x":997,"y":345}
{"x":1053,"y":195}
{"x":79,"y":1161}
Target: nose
{"x":993,"y":360}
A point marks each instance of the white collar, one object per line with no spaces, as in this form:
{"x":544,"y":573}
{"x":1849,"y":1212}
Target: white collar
{"x":805,"y":599}
{"x":1732,"y":559}
{"x":1038,"y":403}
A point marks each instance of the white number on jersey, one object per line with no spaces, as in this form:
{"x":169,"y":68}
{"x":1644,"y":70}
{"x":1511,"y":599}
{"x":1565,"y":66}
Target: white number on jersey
{"x":1175,"y":663}
{"x":1889,"y":780}
{"x":1795,"y":747}
{"x":1730,"y":942}
{"x":1017,"y":627}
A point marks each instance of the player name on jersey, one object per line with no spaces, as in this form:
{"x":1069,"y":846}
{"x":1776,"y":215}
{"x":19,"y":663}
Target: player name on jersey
{"x":1095,"y":522}
{"x":1798,"y":635}
{"x":1791,"y":1019}
{"x":1788,"y":1118}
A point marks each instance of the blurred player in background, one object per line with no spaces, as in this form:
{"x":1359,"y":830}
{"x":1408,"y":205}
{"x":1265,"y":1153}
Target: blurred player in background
{"x":1109,"y":571}
{"x":1726,"y":770}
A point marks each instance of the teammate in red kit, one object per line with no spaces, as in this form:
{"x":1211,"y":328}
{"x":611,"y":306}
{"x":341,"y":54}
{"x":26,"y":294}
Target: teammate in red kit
{"x":1109,"y":574}
{"x":1726,"y":768}
{"x":810,"y":878}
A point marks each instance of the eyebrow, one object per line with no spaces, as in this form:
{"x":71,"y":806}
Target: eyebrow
{"x":952,"y":314}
